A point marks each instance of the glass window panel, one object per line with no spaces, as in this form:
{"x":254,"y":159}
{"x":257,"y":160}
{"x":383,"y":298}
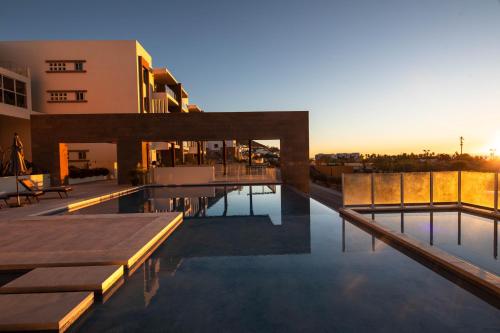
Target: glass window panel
{"x":416,"y":187}
{"x":387,"y":188}
{"x":8,"y":83}
{"x":20,"y":87}
{"x":478,"y":188}
{"x":357,"y":189}
{"x":9,"y":97}
{"x":445,"y":186}
{"x":21,"y":101}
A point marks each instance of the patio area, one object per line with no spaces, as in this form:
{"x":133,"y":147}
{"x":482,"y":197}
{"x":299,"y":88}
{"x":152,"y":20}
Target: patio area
{"x":51,"y":201}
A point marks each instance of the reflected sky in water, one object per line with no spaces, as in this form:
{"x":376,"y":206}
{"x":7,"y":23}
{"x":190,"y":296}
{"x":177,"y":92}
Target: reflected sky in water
{"x":466,"y":236}
{"x":228,"y":270}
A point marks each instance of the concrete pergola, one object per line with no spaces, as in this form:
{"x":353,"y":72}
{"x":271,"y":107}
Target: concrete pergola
{"x":131,"y":132}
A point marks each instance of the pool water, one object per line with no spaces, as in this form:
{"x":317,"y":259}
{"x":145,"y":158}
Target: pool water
{"x":469,"y":237}
{"x":268,"y":259}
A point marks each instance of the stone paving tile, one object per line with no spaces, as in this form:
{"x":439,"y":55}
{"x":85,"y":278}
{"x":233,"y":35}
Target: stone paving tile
{"x":39,"y":312}
{"x":63,"y":279}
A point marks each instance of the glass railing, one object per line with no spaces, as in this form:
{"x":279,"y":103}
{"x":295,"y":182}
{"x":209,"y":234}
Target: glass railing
{"x":467,"y":187}
{"x":170,"y":92}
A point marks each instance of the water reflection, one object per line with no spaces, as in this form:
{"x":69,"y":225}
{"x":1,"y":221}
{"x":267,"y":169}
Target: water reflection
{"x":151,"y":279}
{"x":476,"y":238}
{"x":231,"y":268}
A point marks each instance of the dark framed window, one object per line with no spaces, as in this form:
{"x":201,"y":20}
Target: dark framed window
{"x":80,"y":95}
{"x":9,"y":97}
{"x":58,"y":96}
{"x":82,"y":155}
{"x":8,"y":83}
{"x":79,"y":66}
{"x":20,"y":87}
{"x":13,"y":92}
{"x":21,"y":101}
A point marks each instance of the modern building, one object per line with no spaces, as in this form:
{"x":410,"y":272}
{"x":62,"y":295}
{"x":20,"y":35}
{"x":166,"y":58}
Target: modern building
{"x":15,"y":107}
{"x":107,"y":76}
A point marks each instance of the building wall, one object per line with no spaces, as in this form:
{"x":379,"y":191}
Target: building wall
{"x":110,"y":78}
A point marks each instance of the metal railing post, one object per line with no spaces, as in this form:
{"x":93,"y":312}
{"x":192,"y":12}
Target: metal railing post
{"x":372,"y":190}
{"x":402,"y":188}
{"x":343,"y":190}
{"x":495,"y":197}
{"x":459,"y":199}
{"x":431,"y":188}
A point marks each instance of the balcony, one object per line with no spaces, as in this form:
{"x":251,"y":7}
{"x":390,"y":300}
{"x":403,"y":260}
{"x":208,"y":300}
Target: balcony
{"x":16,"y":68}
{"x":171,"y":93}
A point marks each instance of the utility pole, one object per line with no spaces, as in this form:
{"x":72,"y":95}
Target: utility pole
{"x":461,"y":145}
{"x":492,"y":153}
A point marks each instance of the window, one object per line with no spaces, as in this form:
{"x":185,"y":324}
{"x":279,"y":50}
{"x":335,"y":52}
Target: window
{"x":67,"y":96}
{"x":8,"y":83}
{"x":79,"y":66}
{"x":21,"y":94}
{"x":9,"y":95}
{"x":82,"y":155}
{"x":80,"y":95}
{"x":20,"y":87}
{"x":57,"y":66}
{"x":58,"y":96}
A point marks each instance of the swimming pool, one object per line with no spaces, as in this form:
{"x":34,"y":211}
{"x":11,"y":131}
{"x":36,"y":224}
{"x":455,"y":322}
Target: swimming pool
{"x":467,"y":236}
{"x":268,"y":259}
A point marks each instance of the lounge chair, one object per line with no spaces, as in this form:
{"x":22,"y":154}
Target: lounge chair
{"x":26,"y":194}
{"x":4,"y":197}
{"x":29,"y":185}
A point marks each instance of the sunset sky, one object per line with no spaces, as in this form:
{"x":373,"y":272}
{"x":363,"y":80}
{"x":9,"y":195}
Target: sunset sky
{"x":376,"y":76}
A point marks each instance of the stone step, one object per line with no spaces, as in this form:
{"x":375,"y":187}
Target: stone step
{"x":42,"y":312}
{"x":98,"y":279}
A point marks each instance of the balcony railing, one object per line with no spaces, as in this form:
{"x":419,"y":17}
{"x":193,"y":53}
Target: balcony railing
{"x":159,"y":106}
{"x":170,"y":92}
{"x":13,"y":67}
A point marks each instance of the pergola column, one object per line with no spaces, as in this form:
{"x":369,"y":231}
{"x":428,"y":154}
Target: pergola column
{"x":181,"y":150}
{"x":250,"y":152}
{"x":172,"y":154}
{"x":198,"y":148}
{"x":224,"y":155}
{"x":130,"y":155}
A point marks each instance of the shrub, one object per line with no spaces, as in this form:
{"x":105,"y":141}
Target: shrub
{"x":75,"y":172}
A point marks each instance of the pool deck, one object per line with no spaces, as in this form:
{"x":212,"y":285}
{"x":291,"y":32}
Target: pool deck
{"x":71,"y":259}
{"x":81,"y":240}
{"x":42,"y":312}
{"x":50,"y":201}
